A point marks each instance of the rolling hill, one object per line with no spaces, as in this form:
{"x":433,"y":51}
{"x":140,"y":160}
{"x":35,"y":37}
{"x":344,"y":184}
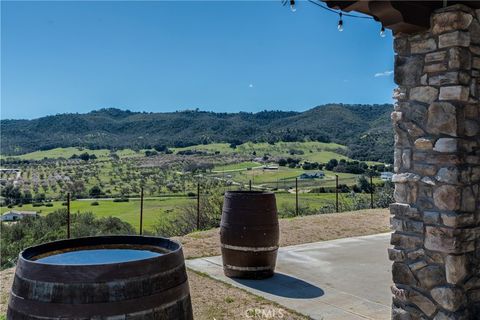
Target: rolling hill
{"x":364,"y":129}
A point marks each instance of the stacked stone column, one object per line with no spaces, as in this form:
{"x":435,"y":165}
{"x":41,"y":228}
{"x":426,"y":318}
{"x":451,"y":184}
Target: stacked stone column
{"x":436,"y":217}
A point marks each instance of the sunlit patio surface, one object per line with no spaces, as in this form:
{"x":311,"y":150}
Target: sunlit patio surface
{"x":338,"y":279}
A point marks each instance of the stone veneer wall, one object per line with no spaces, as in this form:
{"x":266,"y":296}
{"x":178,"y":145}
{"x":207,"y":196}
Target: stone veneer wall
{"x":436,"y":217}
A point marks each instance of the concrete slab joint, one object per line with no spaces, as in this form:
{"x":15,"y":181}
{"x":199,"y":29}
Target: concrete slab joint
{"x":436,"y":217}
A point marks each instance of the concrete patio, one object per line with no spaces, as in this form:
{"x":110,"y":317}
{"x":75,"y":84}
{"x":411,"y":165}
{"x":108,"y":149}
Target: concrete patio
{"x":338,"y":279}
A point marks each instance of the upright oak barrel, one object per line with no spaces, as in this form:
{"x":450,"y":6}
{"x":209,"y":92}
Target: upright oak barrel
{"x":249,"y":234}
{"x":146,"y":288}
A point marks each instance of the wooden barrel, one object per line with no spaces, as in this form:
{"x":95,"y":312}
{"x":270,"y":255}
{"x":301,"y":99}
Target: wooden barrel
{"x":151,"y":288}
{"x":249,"y":234}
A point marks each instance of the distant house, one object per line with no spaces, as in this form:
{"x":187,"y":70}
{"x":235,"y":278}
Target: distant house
{"x":270,"y":167}
{"x":313,"y":175}
{"x":386,"y":176}
{"x":17,"y":215}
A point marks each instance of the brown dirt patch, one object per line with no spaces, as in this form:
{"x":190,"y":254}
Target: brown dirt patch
{"x":213,"y":299}
{"x":299,"y":230}
{"x":6,"y":280}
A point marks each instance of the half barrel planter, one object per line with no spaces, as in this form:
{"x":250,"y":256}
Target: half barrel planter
{"x":249,"y":234}
{"x":151,"y":288}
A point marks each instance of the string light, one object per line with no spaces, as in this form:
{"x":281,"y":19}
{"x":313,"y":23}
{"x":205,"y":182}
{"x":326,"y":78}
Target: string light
{"x":340,"y":23}
{"x":341,"y":14}
{"x":292,"y":6}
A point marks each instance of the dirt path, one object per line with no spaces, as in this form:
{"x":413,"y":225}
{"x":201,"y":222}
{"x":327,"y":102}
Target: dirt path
{"x":216,"y":300}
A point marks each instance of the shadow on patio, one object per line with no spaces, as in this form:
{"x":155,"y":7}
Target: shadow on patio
{"x":283,"y":285}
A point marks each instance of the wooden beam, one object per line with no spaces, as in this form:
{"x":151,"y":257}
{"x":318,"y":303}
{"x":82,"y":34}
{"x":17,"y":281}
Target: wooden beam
{"x":399,"y":16}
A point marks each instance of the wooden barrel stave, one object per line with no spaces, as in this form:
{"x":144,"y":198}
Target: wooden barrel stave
{"x":249,"y":234}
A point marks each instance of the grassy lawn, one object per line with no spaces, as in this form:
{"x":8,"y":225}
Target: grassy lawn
{"x":68,"y":152}
{"x":284,"y":177}
{"x":221,"y":147}
{"x":323,"y":157}
{"x":315,"y":200}
{"x":277,"y":149}
{"x":283,"y":148}
{"x":237,"y":166}
{"x":154,"y":210}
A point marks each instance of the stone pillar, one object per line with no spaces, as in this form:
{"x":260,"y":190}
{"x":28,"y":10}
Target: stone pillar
{"x":436,"y":217}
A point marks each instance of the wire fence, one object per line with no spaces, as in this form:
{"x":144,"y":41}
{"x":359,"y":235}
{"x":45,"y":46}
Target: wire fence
{"x":295,"y":197}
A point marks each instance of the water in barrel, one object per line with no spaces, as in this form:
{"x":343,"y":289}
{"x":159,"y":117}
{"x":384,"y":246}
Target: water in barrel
{"x":98,"y":256}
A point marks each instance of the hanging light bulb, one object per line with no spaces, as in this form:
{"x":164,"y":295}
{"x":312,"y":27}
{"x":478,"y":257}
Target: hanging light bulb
{"x":292,"y":6}
{"x":382,"y":32}
{"x":340,"y":23}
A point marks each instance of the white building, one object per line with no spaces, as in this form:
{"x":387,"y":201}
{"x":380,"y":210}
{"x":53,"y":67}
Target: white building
{"x":17,"y":215}
{"x":386,"y":176}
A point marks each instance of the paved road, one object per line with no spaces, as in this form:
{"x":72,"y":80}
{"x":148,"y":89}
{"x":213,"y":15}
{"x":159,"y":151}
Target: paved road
{"x":344,"y":279}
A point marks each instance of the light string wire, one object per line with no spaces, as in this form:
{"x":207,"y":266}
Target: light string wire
{"x":339,"y":12}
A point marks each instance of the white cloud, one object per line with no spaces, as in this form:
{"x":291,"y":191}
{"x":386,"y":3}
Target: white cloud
{"x":383,"y":74}
{"x":250,"y":85}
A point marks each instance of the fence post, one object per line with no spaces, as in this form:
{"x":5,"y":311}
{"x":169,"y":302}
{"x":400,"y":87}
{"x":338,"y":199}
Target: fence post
{"x":198,"y":206}
{"x":141,"y":211}
{"x":336,"y":193}
{"x":68,"y":215}
{"x":296,"y":196}
{"x":250,"y":185}
{"x":371,"y":191}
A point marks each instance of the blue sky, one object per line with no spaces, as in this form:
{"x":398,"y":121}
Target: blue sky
{"x":227,"y":56}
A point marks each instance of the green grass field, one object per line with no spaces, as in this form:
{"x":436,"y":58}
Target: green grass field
{"x":162,"y":210}
{"x":313,"y":200}
{"x":277,"y":149}
{"x":154,"y":210}
{"x":236,"y":166}
{"x":68,"y":152}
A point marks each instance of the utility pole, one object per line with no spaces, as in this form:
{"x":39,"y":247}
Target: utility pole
{"x":296,"y":196}
{"x":198,"y":206}
{"x":68,"y":215}
{"x":141,"y":211}
{"x":371,"y":191}
{"x":336,"y":192}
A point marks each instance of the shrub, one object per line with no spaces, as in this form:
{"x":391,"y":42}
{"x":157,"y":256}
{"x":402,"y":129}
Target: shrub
{"x":49,"y":205}
{"x":191,"y":194}
{"x":35,"y":230}
{"x":185,"y":220}
{"x":385,"y":195}
{"x":289,"y":211}
{"x":95,"y":203}
{"x":121,"y":200}
{"x":37,"y":204}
